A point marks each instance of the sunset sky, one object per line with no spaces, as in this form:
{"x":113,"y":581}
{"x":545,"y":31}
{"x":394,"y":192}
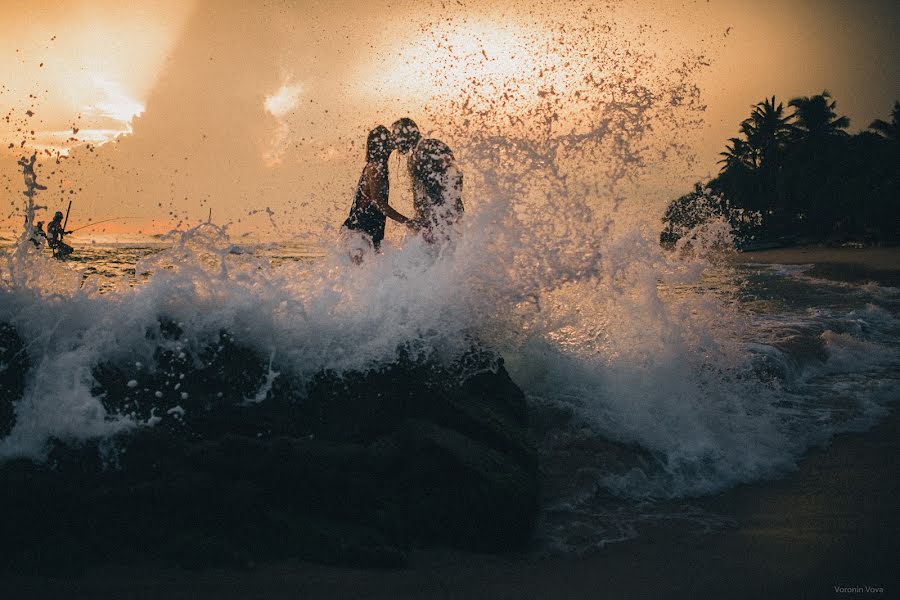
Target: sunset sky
{"x":162,"y":110}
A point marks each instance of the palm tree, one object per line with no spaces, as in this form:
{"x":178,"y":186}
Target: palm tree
{"x":816,"y":116}
{"x":889,"y":130}
{"x":737,"y":155}
{"x":767,"y":131}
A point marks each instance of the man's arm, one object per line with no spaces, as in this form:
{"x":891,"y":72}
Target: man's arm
{"x":377,"y":181}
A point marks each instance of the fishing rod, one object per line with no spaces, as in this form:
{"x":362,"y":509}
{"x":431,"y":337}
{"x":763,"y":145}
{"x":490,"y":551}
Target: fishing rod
{"x":67,"y":219}
{"x":99,"y":222}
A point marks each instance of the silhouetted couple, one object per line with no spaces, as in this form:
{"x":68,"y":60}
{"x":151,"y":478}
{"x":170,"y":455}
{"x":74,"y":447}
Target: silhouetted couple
{"x":436,"y":185}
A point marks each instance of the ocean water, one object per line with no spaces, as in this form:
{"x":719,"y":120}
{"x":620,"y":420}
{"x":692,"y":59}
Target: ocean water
{"x":653,"y":379}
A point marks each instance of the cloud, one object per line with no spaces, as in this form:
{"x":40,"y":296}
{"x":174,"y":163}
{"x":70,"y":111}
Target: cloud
{"x":62,"y":141}
{"x":279,"y":105}
{"x":284,"y":100}
{"x":115,"y":103}
{"x":109,"y":116}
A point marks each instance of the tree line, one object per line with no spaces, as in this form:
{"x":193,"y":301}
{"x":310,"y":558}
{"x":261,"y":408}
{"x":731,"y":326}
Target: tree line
{"x":799,"y":176}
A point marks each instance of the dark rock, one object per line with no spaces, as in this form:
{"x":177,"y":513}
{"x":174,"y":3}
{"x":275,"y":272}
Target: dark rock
{"x":13,"y":368}
{"x":351,"y":469}
{"x":465,"y":493}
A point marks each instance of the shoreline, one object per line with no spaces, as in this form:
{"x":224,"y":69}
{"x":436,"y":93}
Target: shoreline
{"x":849,"y":265}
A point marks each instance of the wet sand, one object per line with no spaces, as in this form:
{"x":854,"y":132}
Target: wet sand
{"x":853,"y":265}
{"x":834,"y":522}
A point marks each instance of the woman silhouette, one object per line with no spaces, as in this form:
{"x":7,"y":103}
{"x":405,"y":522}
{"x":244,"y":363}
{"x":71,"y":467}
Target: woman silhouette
{"x":370,"y":202}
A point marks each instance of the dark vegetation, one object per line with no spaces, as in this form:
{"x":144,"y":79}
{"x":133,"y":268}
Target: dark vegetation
{"x":240,"y":467}
{"x":801,"y":177}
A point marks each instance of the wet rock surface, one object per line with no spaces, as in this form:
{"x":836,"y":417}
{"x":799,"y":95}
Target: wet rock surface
{"x":241,"y":465}
{"x":13,"y":367}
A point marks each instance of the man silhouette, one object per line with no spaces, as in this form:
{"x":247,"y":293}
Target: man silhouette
{"x":436,"y":180}
{"x":55,"y":235}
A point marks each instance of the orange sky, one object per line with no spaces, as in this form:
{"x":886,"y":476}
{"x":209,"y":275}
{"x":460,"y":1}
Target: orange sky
{"x":238,"y":108}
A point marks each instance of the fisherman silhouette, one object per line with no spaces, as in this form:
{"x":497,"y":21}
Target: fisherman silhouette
{"x":436,"y":180}
{"x":55,"y":235}
{"x":370,"y":202}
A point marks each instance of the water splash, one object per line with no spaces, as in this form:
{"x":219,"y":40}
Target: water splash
{"x":650,"y":355}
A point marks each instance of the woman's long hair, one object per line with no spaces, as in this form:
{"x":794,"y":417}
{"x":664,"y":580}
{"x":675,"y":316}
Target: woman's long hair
{"x":379,"y":144}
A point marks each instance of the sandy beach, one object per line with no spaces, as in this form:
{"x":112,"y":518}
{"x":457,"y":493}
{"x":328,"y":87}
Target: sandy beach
{"x":854,"y":265}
